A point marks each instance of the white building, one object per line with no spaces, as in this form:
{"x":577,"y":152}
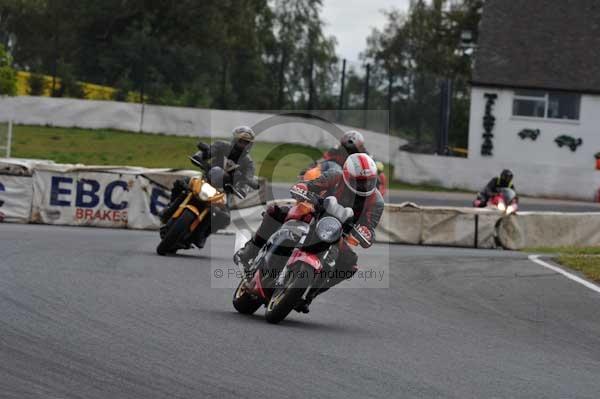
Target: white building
{"x":541,"y":58}
{"x":535,"y":102}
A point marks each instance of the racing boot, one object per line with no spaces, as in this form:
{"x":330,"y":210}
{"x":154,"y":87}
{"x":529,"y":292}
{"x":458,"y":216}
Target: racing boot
{"x":246,"y":254}
{"x":303,"y":304}
{"x":201,"y":242}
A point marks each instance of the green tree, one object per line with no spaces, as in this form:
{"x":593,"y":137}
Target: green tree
{"x":413,"y":53}
{"x":306,"y":59}
{"x":221,"y":53}
{"x":68,"y":86}
{"x":37,"y":84}
{"x":8,"y":76}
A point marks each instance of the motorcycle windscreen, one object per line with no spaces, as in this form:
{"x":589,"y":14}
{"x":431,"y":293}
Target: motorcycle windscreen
{"x":508,"y":194}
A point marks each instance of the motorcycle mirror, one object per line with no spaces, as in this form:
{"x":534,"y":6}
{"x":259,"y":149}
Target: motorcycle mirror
{"x":197,"y":161}
{"x":202,"y":146}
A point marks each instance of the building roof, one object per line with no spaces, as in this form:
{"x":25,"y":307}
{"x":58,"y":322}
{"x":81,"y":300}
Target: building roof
{"x":545,"y":44}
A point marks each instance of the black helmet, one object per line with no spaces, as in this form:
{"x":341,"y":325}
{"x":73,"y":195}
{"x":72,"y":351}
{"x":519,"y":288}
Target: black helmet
{"x":506,"y":178}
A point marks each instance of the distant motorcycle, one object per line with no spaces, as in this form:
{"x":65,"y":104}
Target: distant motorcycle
{"x":298,"y":258}
{"x":505,"y":201}
{"x":190,"y":224}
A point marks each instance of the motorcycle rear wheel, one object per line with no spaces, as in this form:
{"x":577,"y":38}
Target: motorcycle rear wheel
{"x":176,"y":232}
{"x":284,"y":299}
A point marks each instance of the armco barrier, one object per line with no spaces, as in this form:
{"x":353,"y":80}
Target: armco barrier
{"x":549,"y":229}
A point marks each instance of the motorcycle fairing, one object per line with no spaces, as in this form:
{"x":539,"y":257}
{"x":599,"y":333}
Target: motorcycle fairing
{"x":310,"y":259}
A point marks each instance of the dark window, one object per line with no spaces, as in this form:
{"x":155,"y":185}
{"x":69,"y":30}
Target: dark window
{"x":541,"y":104}
{"x":563,"y":106}
{"x":529,"y":107}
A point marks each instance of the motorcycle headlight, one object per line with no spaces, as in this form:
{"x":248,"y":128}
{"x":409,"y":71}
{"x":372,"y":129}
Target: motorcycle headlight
{"x":329,"y":229}
{"x":510,"y":209}
{"x":502,"y":206}
{"x":207,"y":192}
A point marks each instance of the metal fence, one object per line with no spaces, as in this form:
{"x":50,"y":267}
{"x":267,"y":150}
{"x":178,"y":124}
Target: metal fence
{"x":429,"y":111}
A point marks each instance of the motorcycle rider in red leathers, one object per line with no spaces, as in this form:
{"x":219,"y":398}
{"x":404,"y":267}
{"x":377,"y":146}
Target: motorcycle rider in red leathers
{"x":354,"y":187}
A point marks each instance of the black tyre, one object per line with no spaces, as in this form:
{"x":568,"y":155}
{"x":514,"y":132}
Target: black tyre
{"x":244,"y":302}
{"x":176,"y":233}
{"x":285,"y":299}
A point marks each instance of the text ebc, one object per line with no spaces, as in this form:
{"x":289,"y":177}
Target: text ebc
{"x":86,"y":193}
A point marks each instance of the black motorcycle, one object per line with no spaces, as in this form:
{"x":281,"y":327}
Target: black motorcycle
{"x":299,"y":258}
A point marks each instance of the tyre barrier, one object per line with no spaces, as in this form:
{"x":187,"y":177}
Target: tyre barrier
{"x":129,"y":197}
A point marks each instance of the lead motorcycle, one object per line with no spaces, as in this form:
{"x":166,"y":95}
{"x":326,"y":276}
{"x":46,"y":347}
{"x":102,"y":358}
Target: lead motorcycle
{"x":202,"y":198}
{"x":297,"y":258}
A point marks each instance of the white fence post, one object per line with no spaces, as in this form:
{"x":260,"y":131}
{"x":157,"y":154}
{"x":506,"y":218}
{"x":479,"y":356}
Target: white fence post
{"x":9,"y":139}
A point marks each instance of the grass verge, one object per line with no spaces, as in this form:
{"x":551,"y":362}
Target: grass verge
{"x":585,"y":260}
{"x":589,"y":265}
{"x":111,"y":147}
{"x":278,"y":162}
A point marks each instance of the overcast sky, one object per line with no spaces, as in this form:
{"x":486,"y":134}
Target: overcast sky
{"x":351,"y":22}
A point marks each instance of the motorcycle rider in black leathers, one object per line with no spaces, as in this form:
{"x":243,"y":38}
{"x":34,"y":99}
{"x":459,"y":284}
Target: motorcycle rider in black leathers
{"x":505,"y":180}
{"x":227,"y":164}
{"x":354,"y":187}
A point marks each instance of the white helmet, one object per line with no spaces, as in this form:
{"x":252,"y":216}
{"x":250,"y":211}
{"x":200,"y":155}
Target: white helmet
{"x":360,"y":174}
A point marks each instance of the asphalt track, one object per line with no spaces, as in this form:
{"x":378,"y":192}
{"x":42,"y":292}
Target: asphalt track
{"x":94,"y":313}
{"x":281,"y":190}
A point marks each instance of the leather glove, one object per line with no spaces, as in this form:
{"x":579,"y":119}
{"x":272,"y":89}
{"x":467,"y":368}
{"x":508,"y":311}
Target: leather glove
{"x":366,"y":233}
{"x":299,"y":190}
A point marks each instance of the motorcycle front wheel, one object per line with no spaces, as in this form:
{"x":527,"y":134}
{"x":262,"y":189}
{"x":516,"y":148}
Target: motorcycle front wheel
{"x":243,"y":302}
{"x":285,"y":298}
{"x":176,"y":233}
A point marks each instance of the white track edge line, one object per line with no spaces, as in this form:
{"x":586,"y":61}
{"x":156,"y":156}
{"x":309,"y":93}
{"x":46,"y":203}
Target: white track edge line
{"x":536,"y":259}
